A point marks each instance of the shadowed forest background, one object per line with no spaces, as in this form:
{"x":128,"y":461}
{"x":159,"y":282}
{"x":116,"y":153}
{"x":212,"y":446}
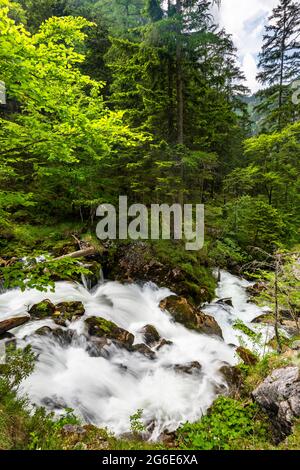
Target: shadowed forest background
{"x":146,"y":99}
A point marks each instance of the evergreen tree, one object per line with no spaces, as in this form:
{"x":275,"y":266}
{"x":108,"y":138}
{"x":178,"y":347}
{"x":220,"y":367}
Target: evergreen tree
{"x":279,"y":61}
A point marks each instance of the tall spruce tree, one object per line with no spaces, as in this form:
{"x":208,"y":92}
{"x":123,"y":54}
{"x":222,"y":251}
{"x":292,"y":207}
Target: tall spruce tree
{"x":279,"y":61}
{"x":179,"y":81}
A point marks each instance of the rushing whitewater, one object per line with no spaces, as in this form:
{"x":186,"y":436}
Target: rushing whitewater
{"x":107,"y":390}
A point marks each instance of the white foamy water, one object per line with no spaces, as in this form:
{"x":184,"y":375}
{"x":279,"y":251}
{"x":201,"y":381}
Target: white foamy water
{"x":106,"y":391}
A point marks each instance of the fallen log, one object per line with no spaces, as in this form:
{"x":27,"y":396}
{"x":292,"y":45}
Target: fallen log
{"x":90,"y":251}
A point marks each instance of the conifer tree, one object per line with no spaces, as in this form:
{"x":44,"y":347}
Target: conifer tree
{"x":279,"y":61}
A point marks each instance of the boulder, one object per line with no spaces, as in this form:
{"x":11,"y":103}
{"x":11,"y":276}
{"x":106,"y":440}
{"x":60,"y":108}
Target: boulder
{"x":227,"y":301}
{"x":64,"y":337}
{"x":96,"y":347}
{"x":279,"y":397}
{"x":151,"y":335}
{"x":95,"y":271}
{"x":10,"y":323}
{"x":144,"y":350}
{"x":43,"y":309}
{"x":54,"y":403}
{"x":265,"y":318}
{"x":43,"y":331}
{"x":256,"y":289}
{"x":66,"y":312}
{"x":139,"y":261}
{"x":188,"y":368}
{"x":295,"y":345}
{"x":190,"y":316}
{"x":162,"y":343}
{"x":61,"y":313}
{"x":102,"y":328}
{"x":248,"y":357}
{"x":291,"y":327}
{"x":234,"y":379}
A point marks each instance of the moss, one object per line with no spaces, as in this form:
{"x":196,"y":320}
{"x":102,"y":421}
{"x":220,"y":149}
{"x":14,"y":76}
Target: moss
{"x":254,"y":375}
{"x":26,"y":238}
{"x":199,"y":280}
{"x":43,"y":309}
{"x":102,"y":325}
{"x":164,"y":262}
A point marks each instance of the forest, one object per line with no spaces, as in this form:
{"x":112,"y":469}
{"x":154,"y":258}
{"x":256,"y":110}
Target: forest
{"x":147,"y":99}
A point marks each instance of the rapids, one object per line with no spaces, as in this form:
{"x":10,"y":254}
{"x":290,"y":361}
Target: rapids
{"x":106,"y":391}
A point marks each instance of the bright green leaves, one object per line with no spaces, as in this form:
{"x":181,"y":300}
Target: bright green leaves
{"x":254,"y":223}
{"x":56,"y":125}
{"x":41,"y":275}
{"x":228,"y":423}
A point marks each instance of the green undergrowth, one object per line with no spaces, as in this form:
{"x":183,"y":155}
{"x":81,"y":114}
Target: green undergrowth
{"x":24,"y":429}
{"x":25,"y":239}
{"x":195,"y":264}
{"x":230,"y":424}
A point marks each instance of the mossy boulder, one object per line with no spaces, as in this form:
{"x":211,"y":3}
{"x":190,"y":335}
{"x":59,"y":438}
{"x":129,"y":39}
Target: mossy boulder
{"x":43,"y":331}
{"x":266,"y":318}
{"x":43,"y":309}
{"x":247,"y":356}
{"x":102,"y":328}
{"x":233,"y":378}
{"x":95,"y":268}
{"x":256,"y":289}
{"x":190,"y":316}
{"x":66,"y":312}
{"x":61,"y":313}
{"x":166,"y":263}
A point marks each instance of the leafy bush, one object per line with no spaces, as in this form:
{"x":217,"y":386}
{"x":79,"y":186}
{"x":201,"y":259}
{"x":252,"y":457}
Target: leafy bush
{"x":252,"y":222}
{"x":20,"y":427}
{"x":41,"y":275}
{"x":228,"y":422}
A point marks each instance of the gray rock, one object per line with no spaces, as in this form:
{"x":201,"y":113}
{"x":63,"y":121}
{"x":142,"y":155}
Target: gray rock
{"x":279,"y":397}
{"x":295,"y":345}
{"x":73,"y":429}
{"x":188,"y":368}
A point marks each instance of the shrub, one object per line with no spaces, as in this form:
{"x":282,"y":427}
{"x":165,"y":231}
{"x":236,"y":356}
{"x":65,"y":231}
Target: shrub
{"x":227,"y":423}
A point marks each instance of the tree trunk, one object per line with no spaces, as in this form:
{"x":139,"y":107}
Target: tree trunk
{"x":179,"y":80}
{"x":280,"y":98}
{"x":79,"y":254}
{"x":276,"y":290}
{"x":170,"y":100}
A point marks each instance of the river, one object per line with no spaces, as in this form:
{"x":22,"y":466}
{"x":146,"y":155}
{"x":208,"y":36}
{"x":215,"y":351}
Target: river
{"x":107,"y":390}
